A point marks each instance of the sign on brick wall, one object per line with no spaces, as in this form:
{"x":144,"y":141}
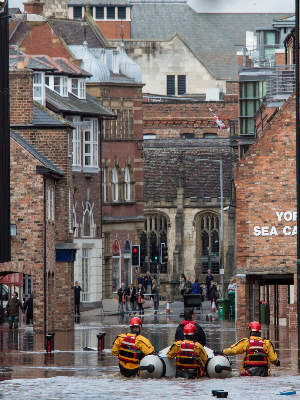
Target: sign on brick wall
{"x":274,"y":230}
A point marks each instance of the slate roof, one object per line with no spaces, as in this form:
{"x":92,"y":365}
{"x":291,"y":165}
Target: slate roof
{"x":161,"y":160}
{"x":33,"y":151}
{"x":100,"y":2}
{"x":72,"y":104}
{"x":42,"y":116}
{"x":72,"y":32}
{"x":19,"y":33}
{"x":213,"y":38}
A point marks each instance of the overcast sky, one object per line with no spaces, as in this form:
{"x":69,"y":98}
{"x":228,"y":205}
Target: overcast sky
{"x":224,"y":6}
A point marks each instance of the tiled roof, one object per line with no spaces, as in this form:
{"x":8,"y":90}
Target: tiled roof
{"x":213,"y":38}
{"x":161,"y":160}
{"x":19,"y":33}
{"x":33,"y":151}
{"x":42,"y":116}
{"x":72,"y":32}
{"x":89,"y":106}
{"x":94,"y":3}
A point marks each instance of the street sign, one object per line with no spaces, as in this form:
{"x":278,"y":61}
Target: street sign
{"x":214,"y":255}
{"x":203,"y":258}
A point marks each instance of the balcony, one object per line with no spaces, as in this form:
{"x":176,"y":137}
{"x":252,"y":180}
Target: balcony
{"x":262,"y":55}
{"x":281,"y":84}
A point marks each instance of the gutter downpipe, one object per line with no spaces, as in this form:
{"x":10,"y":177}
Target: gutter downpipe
{"x":45,"y":260}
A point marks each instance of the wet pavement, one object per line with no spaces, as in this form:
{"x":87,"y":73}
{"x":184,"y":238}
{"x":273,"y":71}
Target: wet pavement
{"x":26,"y":372}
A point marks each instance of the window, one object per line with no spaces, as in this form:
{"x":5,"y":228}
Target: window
{"x":86,"y":274}
{"x":121,"y":12}
{"x":128,"y":123}
{"x":77,"y":12}
{"x":65,"y":86}
{"x":252,"y":94}
{"x":99,"y":12}
{"x":155,"y":231}
{"x":82,"y":89}
{"x":47,"y":81}
{"x":76,"y":144}
{"x":88,"y":221}
{"x":115,"y":184}
{"x":127,"y":183}
{"x":210,"y":135}
{"x":91,"y":144}
{"x":207,"y":226}
{"x":116,"y":261}
{"x":181,"y":84}
{"x":110,"y":12}
{"x":75,"y":230}
{"x":56,"y":84}
{"x":170,"y":85}
{"x":105,"y":185}
{"x":188,"y":136}
{"x":74,"y":83}
{"x":149,"y":136}
{"x":38,"y":88}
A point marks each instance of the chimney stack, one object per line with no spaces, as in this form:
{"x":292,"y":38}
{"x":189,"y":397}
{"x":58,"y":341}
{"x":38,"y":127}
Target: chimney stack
{"x":21,"y":96}
{"x":34,"y":7}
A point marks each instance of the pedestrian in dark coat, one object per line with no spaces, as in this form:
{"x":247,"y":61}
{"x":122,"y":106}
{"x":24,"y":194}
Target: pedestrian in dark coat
{"x":77,"y":290}
{"x":212,"y":292}
{"x":123,"y":294}
{"x":28,"y":308}
{"x":132,"y":297}
{"x":199,"y":335}
{"x":208,"y":279}
{"x":12,"y":311}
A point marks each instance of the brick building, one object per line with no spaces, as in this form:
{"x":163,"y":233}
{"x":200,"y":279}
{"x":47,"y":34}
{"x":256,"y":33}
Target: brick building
{"x":41,"y":180}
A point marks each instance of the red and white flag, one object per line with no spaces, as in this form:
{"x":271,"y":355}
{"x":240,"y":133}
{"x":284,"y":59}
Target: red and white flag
{"x":220,"y":124}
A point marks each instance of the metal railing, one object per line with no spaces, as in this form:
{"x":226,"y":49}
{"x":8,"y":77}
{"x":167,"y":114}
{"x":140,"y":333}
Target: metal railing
{"x":262,"y":55}
{"x":86,"y":297}
{"x":281,"y":83}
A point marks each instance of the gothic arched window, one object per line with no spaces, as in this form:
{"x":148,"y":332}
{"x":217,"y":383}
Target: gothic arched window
{"x":115,"y":184}
{"x":88,"y":220}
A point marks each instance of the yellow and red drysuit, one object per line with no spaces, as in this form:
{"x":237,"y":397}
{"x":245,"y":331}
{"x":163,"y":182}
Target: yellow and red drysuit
{"x":131,"y":348}
{"x":190,"y":358}
{"x":259,"y":353}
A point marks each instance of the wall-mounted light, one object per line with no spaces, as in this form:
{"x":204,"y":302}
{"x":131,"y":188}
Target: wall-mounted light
{"x":13,"y":229}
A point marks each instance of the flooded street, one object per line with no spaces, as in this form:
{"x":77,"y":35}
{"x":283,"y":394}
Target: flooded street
{"x":26,"y":372}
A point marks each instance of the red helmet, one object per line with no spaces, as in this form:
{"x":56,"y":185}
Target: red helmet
{"x":135,"y":321}
{"x":255,"y":326}
{"x":189,"y":329}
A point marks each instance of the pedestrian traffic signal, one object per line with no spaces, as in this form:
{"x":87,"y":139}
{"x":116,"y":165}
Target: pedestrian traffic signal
{"x":135,"y":255}
{"x":164,"y":253}
{"x":155,"y":253}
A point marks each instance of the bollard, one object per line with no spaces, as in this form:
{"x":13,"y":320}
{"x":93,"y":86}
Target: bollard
{"x":52,"y":334}
{"x":49,"y":343}
{"x":100,"y":342}
{"x":103,"y":340}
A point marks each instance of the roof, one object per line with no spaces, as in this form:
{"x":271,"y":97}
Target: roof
{"x":43,"y":116}
{"x":72,"y":104}
{"x":33,"y":151}
{"x":213,"y":38}
{"x":72,"y":32}
{"x":162,"y":158}
{"x":100,"y":3}
{"x":19,"y":33}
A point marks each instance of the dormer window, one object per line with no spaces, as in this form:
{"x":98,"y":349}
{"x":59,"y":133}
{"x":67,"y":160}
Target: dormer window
{"x":58,"y":83}
{"x":75,"y":86}
{"x":39,"y":87}
{"x":78,"y":87}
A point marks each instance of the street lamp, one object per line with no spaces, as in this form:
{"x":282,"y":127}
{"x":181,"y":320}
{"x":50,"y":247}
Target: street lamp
{"x":30,"y":20}
{"x":222,"y":219}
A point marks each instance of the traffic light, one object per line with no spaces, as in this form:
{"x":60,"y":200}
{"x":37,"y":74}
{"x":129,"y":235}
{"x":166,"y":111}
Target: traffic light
{"x":164,"y":253}
{"x":135,"y":255}
{"x":155,"y":253}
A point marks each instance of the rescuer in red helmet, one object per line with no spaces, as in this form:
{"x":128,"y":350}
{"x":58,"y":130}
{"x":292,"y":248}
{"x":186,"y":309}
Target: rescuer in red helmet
{"x":259,"y":352}
{"x":131,"y":348}
{"x":190,"y":355}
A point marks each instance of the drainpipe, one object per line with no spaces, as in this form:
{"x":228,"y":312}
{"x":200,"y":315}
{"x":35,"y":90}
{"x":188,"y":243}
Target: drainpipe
{"x":101,"y":172}
{"x":45,"y":260}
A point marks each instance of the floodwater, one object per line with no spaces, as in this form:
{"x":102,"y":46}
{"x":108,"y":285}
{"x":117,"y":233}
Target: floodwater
{"x":70,"y":372}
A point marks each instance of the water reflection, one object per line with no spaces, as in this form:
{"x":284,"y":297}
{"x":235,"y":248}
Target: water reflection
{"x":22,"y":353}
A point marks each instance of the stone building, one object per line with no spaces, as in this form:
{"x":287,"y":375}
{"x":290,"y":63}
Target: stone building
{"x":41,"y":181}
{"x":182,"y":207}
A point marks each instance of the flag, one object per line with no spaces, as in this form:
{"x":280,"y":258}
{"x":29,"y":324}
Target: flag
{"x":220,"y":124}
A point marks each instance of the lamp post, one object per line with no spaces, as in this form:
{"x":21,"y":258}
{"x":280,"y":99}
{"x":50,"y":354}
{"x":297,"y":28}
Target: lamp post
{"x":222,"y":219}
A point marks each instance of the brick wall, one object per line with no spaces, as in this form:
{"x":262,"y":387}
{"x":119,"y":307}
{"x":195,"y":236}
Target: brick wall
{"x":21,"y":96}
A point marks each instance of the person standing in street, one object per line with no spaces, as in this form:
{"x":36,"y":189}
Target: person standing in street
{"x":181,"y":284}
{"x":211,"y":294}
{"x":148,"y":283}
{"x":196,"y":287}
{"x":123,"y":293}
{"x":199,"y":335}
{"x":140,"y":298}
{"x":208,"y":279}
{"x":141,"y":280}
{"x":12,"y":310}
{"x":190,"y":355}
{"x":259,"y":352}
{"x":231,"y":286}
{"x":28,"y":309}
{"x":155,"y":298}
{"x":188,"y":286}
{"x":131,"y":348}
{"x":132,"y":298}
{"x":77,"y":290}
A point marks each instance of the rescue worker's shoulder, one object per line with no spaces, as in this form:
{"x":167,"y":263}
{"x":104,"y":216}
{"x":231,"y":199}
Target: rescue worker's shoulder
{"x":240,"y":342}
{"x":141,"y":340}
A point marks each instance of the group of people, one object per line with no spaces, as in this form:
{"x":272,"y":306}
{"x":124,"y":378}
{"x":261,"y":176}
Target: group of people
{"x":187,"y":287}
{"x":189,"y":351}
{"x":132,"y":296}
{"x":12,"y":310}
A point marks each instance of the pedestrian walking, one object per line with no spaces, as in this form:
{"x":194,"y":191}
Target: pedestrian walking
{"x":155,"y":298}
{"x":140,"y":299}
{"x":132,"y":298}
{"x":123,"y":293}
{"x":208,"y":279}
{"x":28,"y":309}
{"x":12,"y":311}
{"x":148,"y":283}
{"x":188,"y":286}
{"x":77,"y":290}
